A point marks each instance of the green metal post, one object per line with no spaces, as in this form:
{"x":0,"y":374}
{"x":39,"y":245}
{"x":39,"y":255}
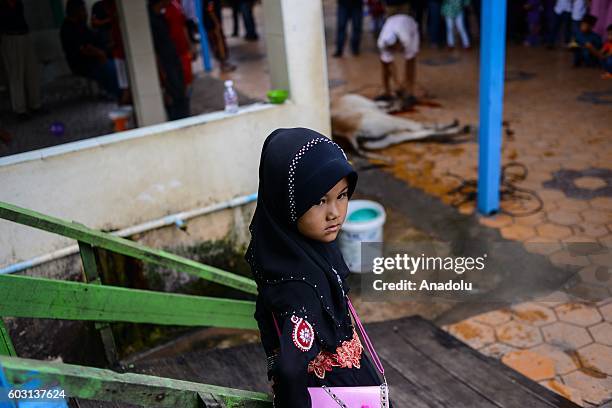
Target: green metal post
{"x":91,"y":275}
{"x":6,"y":346}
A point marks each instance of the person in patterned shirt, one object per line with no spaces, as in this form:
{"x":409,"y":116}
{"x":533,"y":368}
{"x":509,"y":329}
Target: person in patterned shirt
{"x":452,"y":11}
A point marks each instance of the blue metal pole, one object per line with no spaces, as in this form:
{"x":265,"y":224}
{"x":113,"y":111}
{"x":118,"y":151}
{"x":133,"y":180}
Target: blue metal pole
{"x":5,"y":387}
{"x":203,"y":37}
{"x":492,"y":61}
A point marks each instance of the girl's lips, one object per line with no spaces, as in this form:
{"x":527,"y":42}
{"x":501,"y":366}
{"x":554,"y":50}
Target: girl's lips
{"x":333,"y":229}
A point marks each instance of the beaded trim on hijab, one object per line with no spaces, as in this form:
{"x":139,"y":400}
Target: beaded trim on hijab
{"x":293,"y":165}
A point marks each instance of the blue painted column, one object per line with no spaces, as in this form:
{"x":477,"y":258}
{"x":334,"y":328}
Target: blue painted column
{"x":203,"y":37}
{"x":492,"y":61}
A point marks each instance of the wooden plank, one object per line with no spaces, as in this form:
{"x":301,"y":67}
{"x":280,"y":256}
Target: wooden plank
{"x":416,"y":376}
{"x":209,"y":401}
{"x":429,"y":378}
{"x":6,"y":345}
{"x":90,"y":268}
{"x":91,"y":276}
{"x":106,"y":385}
{"x":26,"y":296}
{"x":124,"y":246}
{"x":178,"y":369}
{"x":241,"y":367}
{"x":244,"y":367}
{"x":404,"y":393}
{"x":484,"y":375}
{"x":84,"y":403}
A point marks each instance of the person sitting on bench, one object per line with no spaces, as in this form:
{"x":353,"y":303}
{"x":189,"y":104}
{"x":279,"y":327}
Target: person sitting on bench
{"x":85,"y":56}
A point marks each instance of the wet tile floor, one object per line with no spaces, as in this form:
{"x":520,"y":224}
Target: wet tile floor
{"x":557,"y":123}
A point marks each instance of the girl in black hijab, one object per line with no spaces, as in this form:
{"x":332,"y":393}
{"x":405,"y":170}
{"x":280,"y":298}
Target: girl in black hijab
{"x":305,"y":182}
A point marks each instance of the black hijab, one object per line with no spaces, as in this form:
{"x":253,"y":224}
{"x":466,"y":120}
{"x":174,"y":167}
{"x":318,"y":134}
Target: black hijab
{"x":295,"y":274}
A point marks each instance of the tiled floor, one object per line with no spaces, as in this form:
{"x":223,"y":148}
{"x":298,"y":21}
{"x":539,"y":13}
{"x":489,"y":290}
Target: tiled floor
{"x":563,"y":345}
{"x":558,"y":123}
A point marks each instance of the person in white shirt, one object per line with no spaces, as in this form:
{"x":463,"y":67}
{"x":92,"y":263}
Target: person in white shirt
{"x":579,"y":8}
{"x":400,"y":33}
{"x":562,"y":17}
{"x":562,"y":6}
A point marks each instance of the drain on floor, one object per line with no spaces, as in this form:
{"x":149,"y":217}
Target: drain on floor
{"x":582,"y":184}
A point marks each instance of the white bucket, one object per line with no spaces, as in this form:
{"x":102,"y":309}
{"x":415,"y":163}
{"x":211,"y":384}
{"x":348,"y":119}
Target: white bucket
{"x":354,"y":232}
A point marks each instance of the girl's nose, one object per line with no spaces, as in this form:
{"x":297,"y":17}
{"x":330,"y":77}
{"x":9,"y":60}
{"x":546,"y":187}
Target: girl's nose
{"x":333,"y":211}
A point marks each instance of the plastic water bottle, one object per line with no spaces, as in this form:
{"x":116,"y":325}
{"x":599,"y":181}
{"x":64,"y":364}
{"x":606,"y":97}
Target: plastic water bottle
{"x":231,"y":97}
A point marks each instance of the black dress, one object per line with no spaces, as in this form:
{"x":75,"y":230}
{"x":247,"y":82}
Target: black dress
{"x":287,"y":365}
{"x":301,"y":281}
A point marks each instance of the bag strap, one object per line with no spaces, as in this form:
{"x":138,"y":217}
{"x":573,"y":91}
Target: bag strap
{"x":366,"y":339}
{"x":276,"y":325}
{"x":364,"y":335}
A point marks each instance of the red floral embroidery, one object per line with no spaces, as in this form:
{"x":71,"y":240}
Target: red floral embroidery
{"x":324,"y":361}
{"x":302,"y":334}
{"x":347,"y":355}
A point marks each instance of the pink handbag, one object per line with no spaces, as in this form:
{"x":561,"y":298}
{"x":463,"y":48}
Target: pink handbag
{"x":376,"y":396}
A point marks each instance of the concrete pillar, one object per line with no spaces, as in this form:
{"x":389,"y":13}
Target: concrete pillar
{"x":140,"y":61}
{"x":295,"y":42}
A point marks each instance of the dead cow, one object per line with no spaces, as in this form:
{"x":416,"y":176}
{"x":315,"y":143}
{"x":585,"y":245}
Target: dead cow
{"x":365,"y":124}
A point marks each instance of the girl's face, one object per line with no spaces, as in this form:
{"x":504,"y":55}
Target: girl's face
{"x":322,"y":221}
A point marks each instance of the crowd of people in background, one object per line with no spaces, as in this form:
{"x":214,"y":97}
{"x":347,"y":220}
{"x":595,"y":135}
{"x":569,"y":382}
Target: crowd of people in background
{"x":19,"y":61}
{"x":94,"y":48}
{"x":578,"y":24}
{"x":174,"y":25}
{"x":443,"y":20}
{"x":92,"y":43}
{"x":87,"y":53}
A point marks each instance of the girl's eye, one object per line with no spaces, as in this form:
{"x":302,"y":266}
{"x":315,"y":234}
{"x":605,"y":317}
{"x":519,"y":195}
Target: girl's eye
{"x":321,"y":202}
{"x":341,"y":196}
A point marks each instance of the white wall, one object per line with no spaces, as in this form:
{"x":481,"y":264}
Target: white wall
{"x":124,"y":179}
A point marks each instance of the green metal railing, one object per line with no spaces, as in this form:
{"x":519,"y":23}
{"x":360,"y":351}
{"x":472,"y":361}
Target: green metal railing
{"x":144,"y":390}
{"x":25,"y":296}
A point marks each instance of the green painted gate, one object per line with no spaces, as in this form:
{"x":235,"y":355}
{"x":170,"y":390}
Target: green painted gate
{"x":25,"y":296}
